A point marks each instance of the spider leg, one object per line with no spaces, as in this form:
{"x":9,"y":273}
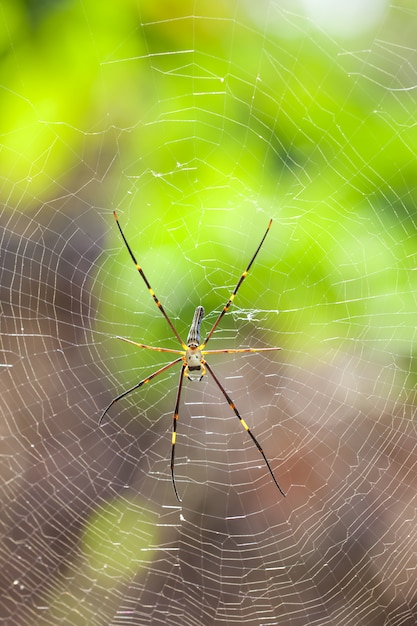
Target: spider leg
{"x":145,"y":280}
{"x":174,"y":429}
{"x":240,"y":281}
{"x":143,"y":345}
{"x":235,"y":350}
{"x":139,"y":384}
{"x":242,"y":421}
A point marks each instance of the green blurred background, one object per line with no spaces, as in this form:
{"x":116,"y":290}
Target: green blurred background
{"x":199,"y":129}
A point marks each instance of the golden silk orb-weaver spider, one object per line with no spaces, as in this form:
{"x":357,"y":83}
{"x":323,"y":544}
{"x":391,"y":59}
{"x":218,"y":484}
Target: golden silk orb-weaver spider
{"x":193,"y":364}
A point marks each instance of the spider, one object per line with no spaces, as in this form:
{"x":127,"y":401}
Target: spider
{"x":193,"y":364}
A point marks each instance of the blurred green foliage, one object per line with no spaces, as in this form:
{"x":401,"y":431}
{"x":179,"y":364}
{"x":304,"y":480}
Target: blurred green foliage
{"x":214,"y":123}
{"x":117,"y":544}
{"x":119,"y":540}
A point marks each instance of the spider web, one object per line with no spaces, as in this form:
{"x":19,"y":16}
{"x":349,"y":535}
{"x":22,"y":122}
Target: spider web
{"x":198,"y":122}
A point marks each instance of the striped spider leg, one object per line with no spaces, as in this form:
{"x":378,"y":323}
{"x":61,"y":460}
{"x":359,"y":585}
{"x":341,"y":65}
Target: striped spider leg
{"x":192,"y":358}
